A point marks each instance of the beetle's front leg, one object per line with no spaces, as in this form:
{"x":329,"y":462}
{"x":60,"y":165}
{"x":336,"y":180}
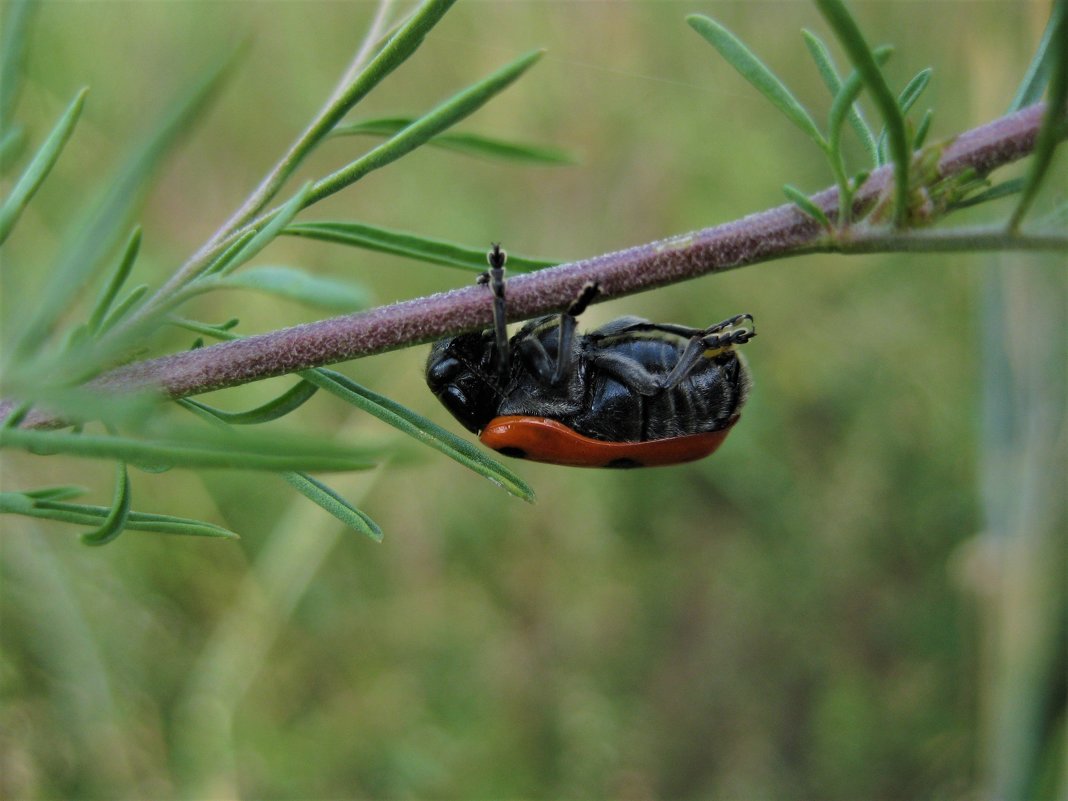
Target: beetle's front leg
{"x":495,"y":278}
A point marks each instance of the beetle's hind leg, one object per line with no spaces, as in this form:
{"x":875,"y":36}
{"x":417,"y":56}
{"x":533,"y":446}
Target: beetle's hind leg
{"x":710,"y":343}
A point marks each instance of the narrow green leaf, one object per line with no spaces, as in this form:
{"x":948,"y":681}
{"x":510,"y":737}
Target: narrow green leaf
{"x":12,"y":54}
{"x":124,"y":307}
{"x":922,"y":130}
{"x":1004,"y":189}
{"x":1037,"y":76}
{"x":334,"y":294}
{"x":94,"y":237}
{"x":222,"y":263}
{"x":312,"y":489}
{"x":118,"y":278}
{"x":402,"y":243}
{"x":757,"y":73}
{"x":55,"y":493}
{"x":420,"y":428}
{"x":40,"y":165}
{"x":85,"y":515}
{"x":198,"y":448}
{"x":908,"y":97}
{"x":845,"y":101}
{"x":115,"y":522}
{"x":1055,"y":121}
{"x":803,"y":202}
{"x":425,"y":128}
{"x":865,"y":62}
{"x":466,"y":143}
{"x":288,"y":401}
{"x":216,"y":331}
{"x":15,"y":503}
{"x":324,"y":496}
{"x":17,"y":415}
{"x":913,"y":89}
{"x":265,"y":235}
{"x":829,"y":73}
{"x":395,"y":52}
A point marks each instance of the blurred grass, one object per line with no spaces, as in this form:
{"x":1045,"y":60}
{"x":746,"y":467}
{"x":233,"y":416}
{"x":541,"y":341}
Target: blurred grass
{"x":778,"y":621}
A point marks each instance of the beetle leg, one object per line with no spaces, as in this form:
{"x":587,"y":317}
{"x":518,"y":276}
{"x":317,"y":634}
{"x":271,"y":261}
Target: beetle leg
{"x":536,"y":359}
{"x":532,"y":350}
{"x":568,"y":324}
{"x":634,"y":325}
{"x":627,"y":371}
{"x":495,"y":278}
{"x":713,"y":341}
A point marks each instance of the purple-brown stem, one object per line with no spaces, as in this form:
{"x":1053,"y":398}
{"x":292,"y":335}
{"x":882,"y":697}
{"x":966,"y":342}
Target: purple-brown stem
{"x":758,"y":237}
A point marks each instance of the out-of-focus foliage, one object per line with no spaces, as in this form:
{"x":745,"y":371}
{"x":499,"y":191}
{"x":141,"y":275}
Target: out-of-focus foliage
{"x":795,"y":617}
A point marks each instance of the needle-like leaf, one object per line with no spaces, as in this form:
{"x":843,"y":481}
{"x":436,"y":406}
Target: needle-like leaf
{"x":266,"y":233}
{"x":118,"y":278}
{"x":123,"y":307}
{"x":222,"y":263}
{"x":1004,"y":189}
{"x":198,"y":448}
{"x":922,"y":130}
{"x":1034,"y":82}
{"x":94,"y":237}
{"x":55,"y":493}
{"x":757,"y":73}
{"x":324,"y":496}
{"x":466,"y":143}
{"x":913,"y":89}
{"x":40,"y":165}
{"x":398,"y":49}
{"x":334,"y":294}
{"x":425,"y":128}
{"x":85,"y":515}
{"x":803,"y":202}
{"x":115,"y":522}
{"x":288,"y":401}
{"x":1055,"y":123}
{"x":420,"y":428}
{"x":866,"y":63}
{"x":829,"y":73}
{"x":402,"y":243}
{"x":845,"y":101}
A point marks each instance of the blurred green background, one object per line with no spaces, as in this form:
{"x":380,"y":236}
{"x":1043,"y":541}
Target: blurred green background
{"x":815,"y":612}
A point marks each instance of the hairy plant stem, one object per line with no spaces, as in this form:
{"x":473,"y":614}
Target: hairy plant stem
{"x":778,"y":232}
{"x":960,"y":240}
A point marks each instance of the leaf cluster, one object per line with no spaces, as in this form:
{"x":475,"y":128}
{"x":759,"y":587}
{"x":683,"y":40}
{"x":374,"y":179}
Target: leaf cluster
{"x":919,"y":194}
{"x":46,"y":358}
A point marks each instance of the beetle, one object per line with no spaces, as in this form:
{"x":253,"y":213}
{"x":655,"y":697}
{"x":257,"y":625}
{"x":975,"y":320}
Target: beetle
{"x":631,"y":393}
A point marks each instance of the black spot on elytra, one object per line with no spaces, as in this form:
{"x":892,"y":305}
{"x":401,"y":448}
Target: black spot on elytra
{"x":516,"y":453}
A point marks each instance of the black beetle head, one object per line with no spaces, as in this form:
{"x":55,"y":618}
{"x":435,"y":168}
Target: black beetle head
{"x":460,"y":371}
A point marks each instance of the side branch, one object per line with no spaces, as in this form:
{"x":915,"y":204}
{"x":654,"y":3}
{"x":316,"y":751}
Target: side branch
{"x":778,"y":232}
